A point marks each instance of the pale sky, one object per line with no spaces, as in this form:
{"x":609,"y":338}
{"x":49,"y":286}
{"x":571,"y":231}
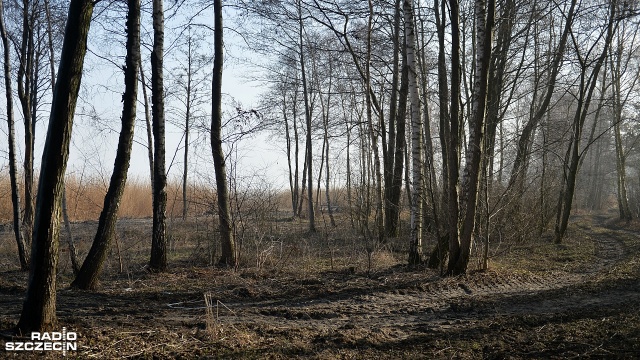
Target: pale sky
{"x":96,"y":125}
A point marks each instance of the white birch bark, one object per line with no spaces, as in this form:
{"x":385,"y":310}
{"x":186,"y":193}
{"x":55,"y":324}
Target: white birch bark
{"x":415,"y":246}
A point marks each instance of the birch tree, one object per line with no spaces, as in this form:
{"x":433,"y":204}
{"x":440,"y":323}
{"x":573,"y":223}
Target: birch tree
{"x":415,"y":242}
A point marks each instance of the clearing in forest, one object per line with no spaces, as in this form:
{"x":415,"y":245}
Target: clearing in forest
{"x":326,"y":297}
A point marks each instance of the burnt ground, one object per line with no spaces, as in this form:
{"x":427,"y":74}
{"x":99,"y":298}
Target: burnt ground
{"x":580,"y":299}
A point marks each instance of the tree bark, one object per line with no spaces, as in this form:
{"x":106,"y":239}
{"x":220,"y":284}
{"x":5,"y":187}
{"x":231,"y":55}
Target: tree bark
{"x":391,"y":202}
{"x":393,"y":216}
{"x":158,"y":261}
{"x":415,"y":242}
{"x":228,"y":256}
{"x":13,"y":168}
{"x":484,"y":12}
{"x":431,"y":221}
{"x":25,"y":73}
{"x":187,"y":123}
{"x":39,"y":308}
{"x":452,"y":133}
{"x":374,"y":137}
{"x":73,"y":252}
{"x":88,"y":275}
{"x":307,"y":112}
{"x":292,"y":159}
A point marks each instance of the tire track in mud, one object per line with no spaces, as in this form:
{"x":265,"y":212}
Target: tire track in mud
{"x":444,"y":303}
{"x":610,"y":248}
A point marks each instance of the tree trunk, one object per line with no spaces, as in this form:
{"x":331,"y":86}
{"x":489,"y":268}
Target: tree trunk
{"x":443,"y":97}
{"x":484,"y":12}
{"x":187,"y":123}
{"x":293,"y":176}
{"x":349,"y":190}
{"x":542,"y":197}
{"x":522,"y":153}
{"x":307,"y":112}
{"x":393,"y":216}
{"x":497,"y":79}
{"x":326,"y":109}
{"x":621,"y":157}
{"x":25,"y":72}
{"x":452,"y":133}
{"x":147,"y":118}
{"x":586,"y":89}
{"x":327,"y":186}
{"x":431,"y":183}
{"x":39,"y":308}
{"x":392,"y":202}
{"x":321,"y":170}
{"x":303,"y":193}
{"x":415,"y":242}
{"x":158,"y":261}
{"x":13,"y":168}
{"x":623,"y":202}
{"x":374,"y":136}
{"x":297,"y":194}
{"x":87,"y":277}
{"x":228,"y":256}
{"x":73,"y":252}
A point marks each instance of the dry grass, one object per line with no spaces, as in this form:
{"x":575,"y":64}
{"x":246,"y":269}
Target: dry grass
{"x":320,"y":295}
{"x":85,"y":198}
{"x":5,"y":195}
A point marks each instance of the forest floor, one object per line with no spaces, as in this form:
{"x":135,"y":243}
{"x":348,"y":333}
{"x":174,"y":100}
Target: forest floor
{"x":306,"y":296}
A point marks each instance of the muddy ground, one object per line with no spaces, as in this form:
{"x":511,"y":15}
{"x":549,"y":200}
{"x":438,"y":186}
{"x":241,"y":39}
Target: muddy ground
{"x":580,"y":299}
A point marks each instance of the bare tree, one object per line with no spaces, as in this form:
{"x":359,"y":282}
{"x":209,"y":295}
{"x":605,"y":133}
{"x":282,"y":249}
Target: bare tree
{"x":189,"y":77}
{"x":396,"y":141}
{"x":73,"y":252}
{"x":459,"y":252}
{"x":25,"y":82}
{"x":620,"y":57}
{"x":187,"y":123}
{"x":158,"y":261}
{"x":586,"y":87}
{"x":452,"y":132}
{"x":518,"y":172}
{"x":228,"y":256}
{"x":13,"y":168}
{"x":39,"y":308}
{"x":415,"y":250}
{"x":87,"y":277}
{"x":307,"y":112}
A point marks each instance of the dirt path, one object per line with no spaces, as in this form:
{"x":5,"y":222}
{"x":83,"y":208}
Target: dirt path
{"x":398,"y":312}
